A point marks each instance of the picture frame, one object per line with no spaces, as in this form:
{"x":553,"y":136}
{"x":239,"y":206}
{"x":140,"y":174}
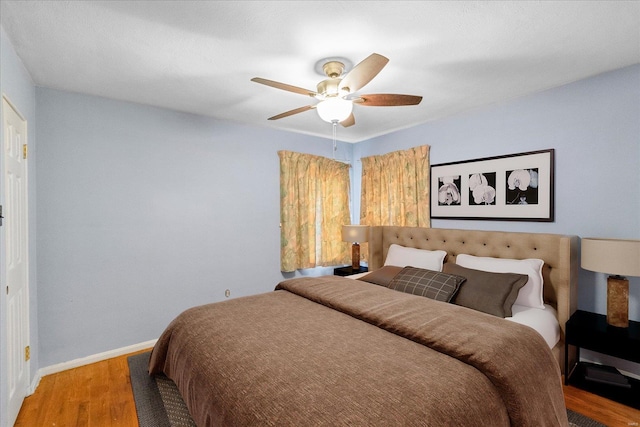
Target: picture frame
{"x":513,"y":187}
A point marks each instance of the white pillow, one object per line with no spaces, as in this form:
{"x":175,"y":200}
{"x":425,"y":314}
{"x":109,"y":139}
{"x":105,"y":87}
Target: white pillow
{"x":402,"y":256}
{"x":531,"y":294}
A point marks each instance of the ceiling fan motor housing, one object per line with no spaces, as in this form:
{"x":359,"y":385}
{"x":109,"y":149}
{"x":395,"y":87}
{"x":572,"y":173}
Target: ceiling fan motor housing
{"x":330,"y":88}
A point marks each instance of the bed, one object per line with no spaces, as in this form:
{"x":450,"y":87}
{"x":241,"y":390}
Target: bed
{"x":336,"y":351}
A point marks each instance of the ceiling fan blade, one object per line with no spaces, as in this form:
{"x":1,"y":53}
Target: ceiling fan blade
{"x":363,"y":73}
{"x":387,"y":100}
{"x":292,"y":112}
{"x":284,"y":86}
{"x":349,"y":121}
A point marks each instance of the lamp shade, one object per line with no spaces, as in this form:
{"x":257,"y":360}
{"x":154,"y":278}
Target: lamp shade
{"x":611,"y":256}
{"x":355,"y":233}
{"x":334,"y":109}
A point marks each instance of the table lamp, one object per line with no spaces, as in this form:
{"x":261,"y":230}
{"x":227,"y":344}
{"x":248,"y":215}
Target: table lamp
{"x":618,"y":258}
{"x":355,"y":234}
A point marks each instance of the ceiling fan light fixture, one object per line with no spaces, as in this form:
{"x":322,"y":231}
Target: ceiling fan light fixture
{"x":334,"y":109}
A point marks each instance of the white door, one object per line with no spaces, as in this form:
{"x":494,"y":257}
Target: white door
{"x":16,"y":260}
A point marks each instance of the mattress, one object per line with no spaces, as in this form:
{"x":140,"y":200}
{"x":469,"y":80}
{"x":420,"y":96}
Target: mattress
{"x":544,"y":321}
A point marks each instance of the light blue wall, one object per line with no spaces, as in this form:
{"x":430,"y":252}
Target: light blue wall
{"x":594,"y":127}
{"x":17,"y":86}
{"x":144,"y":212}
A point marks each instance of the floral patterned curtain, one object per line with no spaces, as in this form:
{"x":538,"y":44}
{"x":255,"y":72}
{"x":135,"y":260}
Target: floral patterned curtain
{"x":395,"y":188}
{"x":314,"y":204}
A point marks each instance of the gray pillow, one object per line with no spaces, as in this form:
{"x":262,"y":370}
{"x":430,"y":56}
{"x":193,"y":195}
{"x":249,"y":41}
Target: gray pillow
{"x":427,"y":283}
{"x":382,"y":276}
{"x":492,"y":293}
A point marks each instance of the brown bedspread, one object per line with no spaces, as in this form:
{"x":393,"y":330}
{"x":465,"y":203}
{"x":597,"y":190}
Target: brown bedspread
{"x":335,"y":351}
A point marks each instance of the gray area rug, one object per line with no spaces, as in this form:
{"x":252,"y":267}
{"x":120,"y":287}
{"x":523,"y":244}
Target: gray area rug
{"x":158,"y":401}
{"x":159,"y":404}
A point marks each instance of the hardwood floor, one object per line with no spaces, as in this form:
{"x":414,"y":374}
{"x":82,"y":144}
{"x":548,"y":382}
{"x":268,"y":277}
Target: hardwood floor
{"x":606,"y":411}
{"x":99,"y":395}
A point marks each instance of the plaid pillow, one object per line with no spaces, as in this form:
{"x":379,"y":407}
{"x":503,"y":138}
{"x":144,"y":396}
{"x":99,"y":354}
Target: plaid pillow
{"x":427,"y":283}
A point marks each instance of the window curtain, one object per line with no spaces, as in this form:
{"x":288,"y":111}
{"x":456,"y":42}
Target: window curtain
{"x":395,"y":188}
{"x":314,"y":204}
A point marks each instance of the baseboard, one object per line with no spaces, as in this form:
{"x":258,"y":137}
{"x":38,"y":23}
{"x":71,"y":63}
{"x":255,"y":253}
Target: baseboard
{"x":53,"y":369}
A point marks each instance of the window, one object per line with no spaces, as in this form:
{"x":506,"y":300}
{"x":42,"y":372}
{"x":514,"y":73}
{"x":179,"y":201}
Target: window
{"x":314,"y":204}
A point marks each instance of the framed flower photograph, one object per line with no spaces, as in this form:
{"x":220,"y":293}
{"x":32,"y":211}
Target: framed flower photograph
{"x":514,"y":187}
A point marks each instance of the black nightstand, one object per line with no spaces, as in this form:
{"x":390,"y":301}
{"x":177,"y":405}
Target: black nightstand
{"x":349,"y":270}
{"x":591,"y":331}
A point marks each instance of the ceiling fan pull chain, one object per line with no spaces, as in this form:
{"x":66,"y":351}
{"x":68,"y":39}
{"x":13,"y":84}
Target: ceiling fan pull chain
{"x":335,"y":145}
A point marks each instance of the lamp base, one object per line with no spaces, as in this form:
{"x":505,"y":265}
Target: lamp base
{"x":618,"y":301}
{"x":355,"y":256}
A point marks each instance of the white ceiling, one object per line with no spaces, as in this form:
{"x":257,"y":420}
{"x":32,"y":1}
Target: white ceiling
{"x":199,"y":56}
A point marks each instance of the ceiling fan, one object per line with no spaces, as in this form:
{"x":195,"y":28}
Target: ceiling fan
{"x":337,"y":93}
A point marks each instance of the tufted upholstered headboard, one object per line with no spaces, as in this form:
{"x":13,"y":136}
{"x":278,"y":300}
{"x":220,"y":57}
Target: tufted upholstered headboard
{"x":559,"y":253}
